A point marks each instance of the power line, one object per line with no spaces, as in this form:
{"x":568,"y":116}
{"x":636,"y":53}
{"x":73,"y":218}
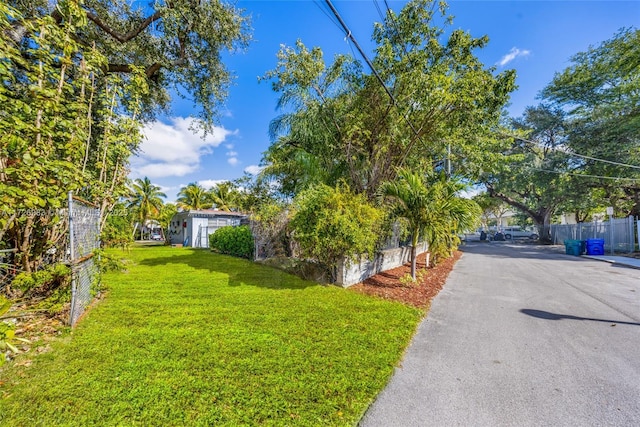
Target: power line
{"x":327,"y":14}
{"x":583,"y":175}
{"x":375,"y":2}
{"x":370,"y":64}
{"x":574,"y":153}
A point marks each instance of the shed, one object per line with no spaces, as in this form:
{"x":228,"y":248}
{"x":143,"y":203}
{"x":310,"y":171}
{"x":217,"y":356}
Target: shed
{"x":192,"y":228}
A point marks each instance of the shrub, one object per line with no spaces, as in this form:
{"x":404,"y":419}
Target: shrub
{"x":50,"y":278}
{"x":235,"y":241}
{"x":331,"y":223}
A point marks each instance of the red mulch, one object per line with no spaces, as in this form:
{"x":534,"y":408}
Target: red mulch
{"x":387,"y":284}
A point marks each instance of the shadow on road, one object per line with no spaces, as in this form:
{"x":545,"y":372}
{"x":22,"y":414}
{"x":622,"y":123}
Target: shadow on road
{"x":553,"y":316}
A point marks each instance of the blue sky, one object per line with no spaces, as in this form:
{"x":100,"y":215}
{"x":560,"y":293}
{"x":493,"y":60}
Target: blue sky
{"x":536,"y":38}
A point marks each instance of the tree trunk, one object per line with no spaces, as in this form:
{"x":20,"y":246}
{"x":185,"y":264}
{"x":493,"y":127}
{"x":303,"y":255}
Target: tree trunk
{"x":543,"y":224}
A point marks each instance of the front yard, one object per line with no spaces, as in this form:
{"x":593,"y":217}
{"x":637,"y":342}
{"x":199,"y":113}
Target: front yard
{"x":187,"y":337}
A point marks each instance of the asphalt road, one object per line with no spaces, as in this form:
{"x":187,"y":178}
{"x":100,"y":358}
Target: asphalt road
{"x":522,"y":336}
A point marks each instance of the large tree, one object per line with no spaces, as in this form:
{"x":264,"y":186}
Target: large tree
{"x":177,"y":44}
{"x":432,"y":94}
{"x":77,"y":81}
{"x":601,"y":92}
{"x":535,"y":174}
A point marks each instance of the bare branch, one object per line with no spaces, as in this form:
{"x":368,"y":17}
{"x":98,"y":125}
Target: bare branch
{"x":128,"y":36}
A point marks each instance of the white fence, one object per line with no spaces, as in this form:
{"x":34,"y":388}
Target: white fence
{"x":619,"y":235}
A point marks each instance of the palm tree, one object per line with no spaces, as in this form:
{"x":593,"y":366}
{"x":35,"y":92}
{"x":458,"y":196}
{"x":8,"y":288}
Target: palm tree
{"x":193,"y":197}
{"x":164,"y":218}
{"x":224,"y":196}
{"x":434,"y":211}
{"x":145,"y":199}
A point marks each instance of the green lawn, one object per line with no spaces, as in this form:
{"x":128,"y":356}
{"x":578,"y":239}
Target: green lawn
{"x":187,"y":337}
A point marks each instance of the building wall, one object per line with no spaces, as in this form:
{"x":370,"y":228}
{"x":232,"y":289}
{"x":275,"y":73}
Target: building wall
{"x":176,"y":229}
{"x":198,"y":227}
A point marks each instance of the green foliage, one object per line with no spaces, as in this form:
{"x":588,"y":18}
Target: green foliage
{"x":191,"y":337}
{"x":7,"y":333}
{"x":537,"y":178}
{"x":408,"y":280}
{"x":434,"y":211}
{"x":224,"y":196}
{"x":270,"y":222}
{"x":45,"y":280}
{"x":77,"y":80}
{"x":193,"y":197}
{"x":253,"y":193}
{"x":235,"y":241}
{"x":108,"y":261}
{"x":175,"y":44}
{"x":145,"y":200}
{"x":117,"y":229}
{"x":8,"y":341}
{"x":330,"y":223}
{"x":599,"y":89}
{"x":62,"y":126}
{"x":342,"y":125}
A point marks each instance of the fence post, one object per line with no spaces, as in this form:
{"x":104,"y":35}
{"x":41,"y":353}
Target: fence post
{"x":611,"y":233}
{"x":72,"y":257}
{"x":579,"y":231}
{"x":632,"y":235}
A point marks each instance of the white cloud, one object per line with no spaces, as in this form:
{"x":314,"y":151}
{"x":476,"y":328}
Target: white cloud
{"x":253,"y":169}
{"x":159,"y":170}
{"x":232,"y":153}
{"x":513,"y":54}
{"x":175,"y":149}
{"x":232,"y":161}
{"x":210,"y":183}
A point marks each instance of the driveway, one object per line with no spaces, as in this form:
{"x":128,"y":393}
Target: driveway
{"x":522,"y":336}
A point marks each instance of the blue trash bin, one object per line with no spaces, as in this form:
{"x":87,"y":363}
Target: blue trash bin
{"x":595,"y":246}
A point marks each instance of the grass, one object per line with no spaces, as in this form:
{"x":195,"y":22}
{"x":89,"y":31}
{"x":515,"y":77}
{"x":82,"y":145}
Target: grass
{"x":187,"y":337}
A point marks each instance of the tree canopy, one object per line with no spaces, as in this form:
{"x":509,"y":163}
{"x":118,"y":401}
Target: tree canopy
{"x":601,"y":92}
{"x":580,"y":149}
{"x":176,"y":44}
{"x":341,"y":124}
{"x":77,"y":80}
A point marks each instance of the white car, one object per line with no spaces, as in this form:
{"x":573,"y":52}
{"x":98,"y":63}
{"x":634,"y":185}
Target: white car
{"x":156,"y":236}
{"x":517,"y":232}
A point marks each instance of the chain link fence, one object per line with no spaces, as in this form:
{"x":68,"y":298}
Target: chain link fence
{"x":619,"y":235}
{"x":8,"y":267}
{"x":84,"y":240}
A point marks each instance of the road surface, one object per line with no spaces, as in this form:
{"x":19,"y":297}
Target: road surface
{"x":522,"y":336}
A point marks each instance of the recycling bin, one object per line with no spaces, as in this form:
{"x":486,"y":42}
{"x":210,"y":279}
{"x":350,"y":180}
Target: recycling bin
{"x":573,"y":247}
{"x":595,"y":246}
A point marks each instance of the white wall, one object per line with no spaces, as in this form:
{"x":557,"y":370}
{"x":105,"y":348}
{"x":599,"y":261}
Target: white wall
{"x":386,"y":260}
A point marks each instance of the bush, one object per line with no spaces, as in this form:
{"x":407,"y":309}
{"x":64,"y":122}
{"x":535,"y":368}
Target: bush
{"x":235,"y":241}
{"x":50,"y":278}
{"x":331,"y":223}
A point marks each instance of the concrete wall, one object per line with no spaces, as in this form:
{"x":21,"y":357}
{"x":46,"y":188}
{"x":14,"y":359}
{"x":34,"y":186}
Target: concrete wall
{"x":386,"y":260}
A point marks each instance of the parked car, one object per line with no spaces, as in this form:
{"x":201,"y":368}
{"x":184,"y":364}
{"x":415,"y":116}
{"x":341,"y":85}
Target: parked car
{"x":156,"y":236}
{"x":517,"y":232}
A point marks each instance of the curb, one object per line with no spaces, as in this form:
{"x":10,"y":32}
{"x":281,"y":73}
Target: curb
{"x":611,"y":261}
